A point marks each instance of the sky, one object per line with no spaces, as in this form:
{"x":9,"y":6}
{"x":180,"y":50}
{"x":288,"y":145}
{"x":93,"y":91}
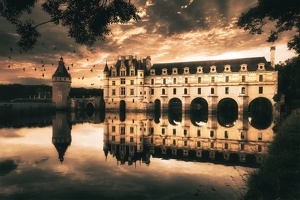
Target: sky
{"x":169,"y":31}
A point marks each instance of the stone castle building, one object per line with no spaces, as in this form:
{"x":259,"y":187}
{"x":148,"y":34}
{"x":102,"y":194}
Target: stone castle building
{"x":61,"y":86}
{"x":136,"y":85}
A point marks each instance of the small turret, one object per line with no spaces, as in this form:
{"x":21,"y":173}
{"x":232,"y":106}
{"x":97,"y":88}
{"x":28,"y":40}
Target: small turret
{"x":272,"y":57}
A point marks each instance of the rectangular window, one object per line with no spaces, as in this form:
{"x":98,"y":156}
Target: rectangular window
{"x":151,"y":130}
{"x":212,"y":90}
{"x":226,"y":90}
{"x":199,"y":79}
{"x":113,"y":73}
{"x":113,"y":82}
{"x":227,"y":79}
{"x":152,"y":91}
{"x":259,"y":148}
{"x":186,"y":80}
{"x":131,"y":82}
{"x":226,"y":146}
{"x":174,"y":131}
{"x":131,"y":72}
{"x":113,"y":129}
{"x":243,"y":78}
{"x":260,"y":90}
{"x":122,"y":130}
{"x":163,"y":91}
{"x":113,"y":138}
{"x":164,"y":141}
{"x":184,"y":132}
{"x":163,"y":131}
{"x":260,"y":78}
{"x":174,"y":90}
{"x":213,"y":79}
{"x":122,"y":140}
{"x":212,"y":145}
{"x":259,"y":136}
{"x":185,"y":143}
{"x":211,"y":133}
{"x":174,"y":142}
{"x":199,"y":90}
{"x":122,"y":80}
{"x":198,"y":144}
{"x":226,"y":134}
{"x":113,"y":92}
{"x":164,"y":81}
{"x":152,"y":81}
{"x":131,"y":139}
{"x":174,"y":80}
{"x":131,"y":129}
{"x":198,"y":133}
{"x":122,"y":73}
{"x":242,"y":135}
{"x":242,"y":147}
{"x":131,"y":91}
{"x":123,"y":91}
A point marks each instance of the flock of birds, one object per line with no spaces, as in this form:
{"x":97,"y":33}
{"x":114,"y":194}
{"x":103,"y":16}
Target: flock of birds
{"x":43,"y":70}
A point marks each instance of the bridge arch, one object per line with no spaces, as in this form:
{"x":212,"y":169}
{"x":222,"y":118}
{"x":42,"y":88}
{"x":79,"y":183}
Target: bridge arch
{"x":175,"y":111}
{"x":227,"y":112}
{"x":122,"y":109}
{"x":157,"y":110}
{"x":90,"y":109}
{"x":260,"y":113}
{"x":199,"y":111}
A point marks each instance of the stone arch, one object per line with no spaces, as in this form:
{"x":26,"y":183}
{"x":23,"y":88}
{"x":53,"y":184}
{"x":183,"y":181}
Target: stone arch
{"x":90,"y":109}
{"x":227,"y":112}
{"x":122,"y":110}
{"x":157,"y":110}
{"x":175,"y":111}
{"x":199,"y":111}
{"x":260,"y":113}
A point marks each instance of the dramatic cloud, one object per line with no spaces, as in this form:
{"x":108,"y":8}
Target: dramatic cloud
{"x":169,"y":31}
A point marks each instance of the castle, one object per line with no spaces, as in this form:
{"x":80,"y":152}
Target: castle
{"x":136,"y":85}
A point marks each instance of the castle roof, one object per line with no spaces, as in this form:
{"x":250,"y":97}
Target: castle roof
{"x":235,"y":65}
{"x":61,"y":70}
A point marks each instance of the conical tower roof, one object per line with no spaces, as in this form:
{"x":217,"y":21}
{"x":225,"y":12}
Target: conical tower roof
{"x":61,"y":70}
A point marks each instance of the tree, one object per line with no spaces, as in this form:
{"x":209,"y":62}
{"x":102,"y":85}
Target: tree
{"x":285,"y":14}
{"x":87,"y":20}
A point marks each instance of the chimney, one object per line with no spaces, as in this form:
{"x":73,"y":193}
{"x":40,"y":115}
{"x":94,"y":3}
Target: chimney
{"x":272,"y":58}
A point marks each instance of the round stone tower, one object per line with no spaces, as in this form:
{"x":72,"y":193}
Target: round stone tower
{"x":61,"y":85}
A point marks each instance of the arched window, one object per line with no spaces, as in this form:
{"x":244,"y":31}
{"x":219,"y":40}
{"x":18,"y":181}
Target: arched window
{"x":163,"y":91}
{"x":185,"y":91}
{"x":243,"y":90}
{"x":212,"y":90}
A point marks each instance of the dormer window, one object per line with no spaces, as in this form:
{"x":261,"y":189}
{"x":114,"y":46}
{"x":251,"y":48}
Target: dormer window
{"x":132,"y":71}
{"x":243,"y":67}
{"x":174,"y":70}
{"x":164,"y":71}
{"x":213,"y":69}
{"x":261,"y":66}
{"x":199,"y":69}
{"x":123,"y":70}
{"x":227,"y":68}
{"x":186,"y":70}
{"x":114,"y":73}
{"x":152,"y":71}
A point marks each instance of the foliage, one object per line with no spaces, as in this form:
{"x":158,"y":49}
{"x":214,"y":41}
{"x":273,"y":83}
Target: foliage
{"x":289,"y":79}
{"x":285,"y":14}
{"x":279,"y":175}
{"x":14,"y":91}
{"x":87,"y":20}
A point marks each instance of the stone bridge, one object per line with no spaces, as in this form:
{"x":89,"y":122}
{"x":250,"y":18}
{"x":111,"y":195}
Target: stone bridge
{"x":92,"y":103}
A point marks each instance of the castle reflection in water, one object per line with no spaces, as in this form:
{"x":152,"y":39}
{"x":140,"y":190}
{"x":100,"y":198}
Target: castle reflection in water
{"x":135,"y":137}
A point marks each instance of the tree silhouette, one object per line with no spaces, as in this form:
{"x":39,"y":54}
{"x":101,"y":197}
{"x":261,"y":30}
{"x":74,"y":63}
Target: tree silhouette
{"x":87,"y":20}
{"x":285,"y":14}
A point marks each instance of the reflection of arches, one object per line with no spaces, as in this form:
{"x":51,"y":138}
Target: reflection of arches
{"x":157,"y":107}
{"x":175,"y":111}
{"x":260,"y":113}
{"x":227,"y":112}
{"x":199,"y":111}
{"x":122,"y":110}
{"x":90,"y":109}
